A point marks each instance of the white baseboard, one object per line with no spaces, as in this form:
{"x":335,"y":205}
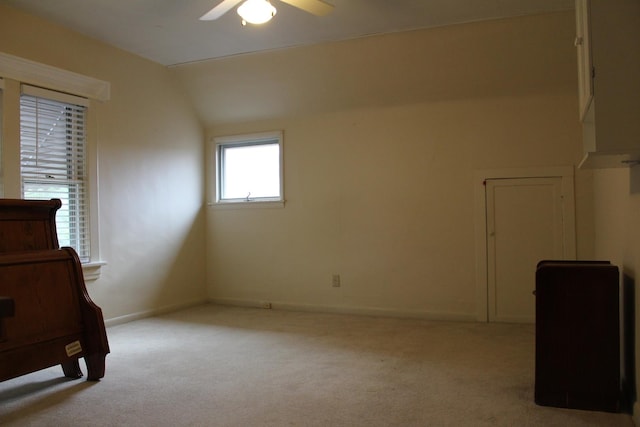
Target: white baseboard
{"x":366,"y":311}
{"x":153,"y":312}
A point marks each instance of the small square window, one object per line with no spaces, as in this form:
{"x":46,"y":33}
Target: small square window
{"x":249,"y":168}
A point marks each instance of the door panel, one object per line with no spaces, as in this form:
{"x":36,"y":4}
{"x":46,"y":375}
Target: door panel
{"x":524,"y":226}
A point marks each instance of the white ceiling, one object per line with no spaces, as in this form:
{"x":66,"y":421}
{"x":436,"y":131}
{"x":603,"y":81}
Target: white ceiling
{"x":170,"y":33}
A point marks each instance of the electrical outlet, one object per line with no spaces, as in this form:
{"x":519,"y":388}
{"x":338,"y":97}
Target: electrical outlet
{"x":335,"y":280}
{"x":266,"y":304}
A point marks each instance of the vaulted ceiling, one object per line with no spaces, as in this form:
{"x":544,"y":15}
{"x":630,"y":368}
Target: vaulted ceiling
{"x":364,"y":54}
{"x":169,"y":31}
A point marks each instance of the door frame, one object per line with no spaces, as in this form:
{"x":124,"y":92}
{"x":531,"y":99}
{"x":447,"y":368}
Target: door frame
{"x":566,"y":173}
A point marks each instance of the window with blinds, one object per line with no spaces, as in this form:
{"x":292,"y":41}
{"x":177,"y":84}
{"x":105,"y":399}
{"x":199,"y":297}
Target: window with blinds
{"x":52,"y":160}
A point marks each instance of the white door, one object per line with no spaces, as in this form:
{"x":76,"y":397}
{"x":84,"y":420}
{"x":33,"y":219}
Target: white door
{"x":524,"y":226}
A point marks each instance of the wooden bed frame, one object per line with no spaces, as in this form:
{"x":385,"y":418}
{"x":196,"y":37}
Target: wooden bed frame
{"x":46,"y":315}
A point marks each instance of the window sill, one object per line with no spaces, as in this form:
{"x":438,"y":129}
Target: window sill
{"x":255,"y":204}
{"x":91,"y":270}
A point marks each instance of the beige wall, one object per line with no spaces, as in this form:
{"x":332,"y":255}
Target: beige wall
{"x":383,"y":194}
{"x":519,"y":56}
{"x":150,"y":164}
{"x":617,"y":233}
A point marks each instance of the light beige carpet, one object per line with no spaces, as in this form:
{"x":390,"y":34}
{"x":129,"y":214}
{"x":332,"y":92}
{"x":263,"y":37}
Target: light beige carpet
{"x":225,"y":366}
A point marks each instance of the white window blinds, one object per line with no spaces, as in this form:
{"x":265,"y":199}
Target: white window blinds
{"x":52,"y":160}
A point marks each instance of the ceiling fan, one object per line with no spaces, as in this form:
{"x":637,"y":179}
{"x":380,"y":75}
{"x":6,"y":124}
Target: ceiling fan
{"x":261,"y":11}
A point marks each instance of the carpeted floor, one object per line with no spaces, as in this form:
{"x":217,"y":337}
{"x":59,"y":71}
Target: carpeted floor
{"x":225,"y":366}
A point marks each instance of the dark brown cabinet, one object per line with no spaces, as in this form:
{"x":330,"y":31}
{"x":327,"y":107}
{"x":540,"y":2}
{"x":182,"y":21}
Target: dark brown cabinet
{"x":578,"y":343}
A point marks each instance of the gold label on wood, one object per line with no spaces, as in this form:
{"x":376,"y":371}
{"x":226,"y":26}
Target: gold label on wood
{"x":73,"y":348}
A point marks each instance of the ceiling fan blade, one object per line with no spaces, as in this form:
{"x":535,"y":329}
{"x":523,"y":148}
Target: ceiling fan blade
{"x":315,"y":7}
{"x":223,"y":7}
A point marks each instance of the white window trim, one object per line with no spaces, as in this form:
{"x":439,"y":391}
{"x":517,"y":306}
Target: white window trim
{"x":91,"y":270}
{"x":26,"y":71}
{"x":214,"y":172}
{"x":14,"y":71}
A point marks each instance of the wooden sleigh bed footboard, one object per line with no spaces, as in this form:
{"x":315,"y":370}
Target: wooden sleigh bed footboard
{"x":46,"y":315}
{"x":54,"y":320}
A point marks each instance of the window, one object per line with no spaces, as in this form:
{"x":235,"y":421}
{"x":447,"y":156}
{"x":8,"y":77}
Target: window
{"x":52,"y":160}
{"x":249,"y":168}
{"x":32,"y":165}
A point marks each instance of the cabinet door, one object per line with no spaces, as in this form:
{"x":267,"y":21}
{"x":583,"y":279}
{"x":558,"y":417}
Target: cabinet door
{"x":585,"y":65}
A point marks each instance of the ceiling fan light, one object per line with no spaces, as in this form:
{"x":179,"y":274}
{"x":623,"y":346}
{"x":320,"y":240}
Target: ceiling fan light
{"x":256,"y":11}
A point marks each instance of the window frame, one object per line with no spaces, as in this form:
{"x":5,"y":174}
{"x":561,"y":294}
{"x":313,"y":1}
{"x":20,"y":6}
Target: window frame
{"x":252,"y":139}
{"x":15,"y":71}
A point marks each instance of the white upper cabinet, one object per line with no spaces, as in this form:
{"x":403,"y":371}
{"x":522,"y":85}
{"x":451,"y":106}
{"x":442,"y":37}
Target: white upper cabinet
{"x":585,"y":66}
{"x":608,"y":44}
